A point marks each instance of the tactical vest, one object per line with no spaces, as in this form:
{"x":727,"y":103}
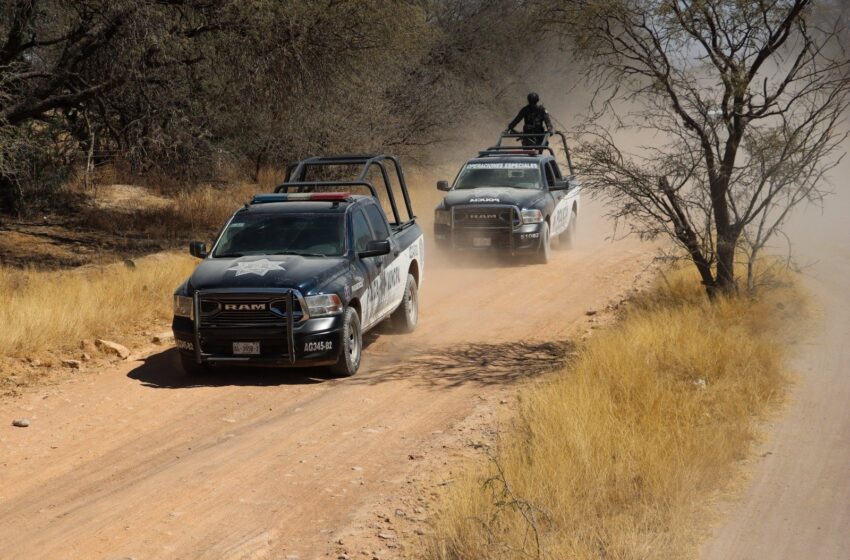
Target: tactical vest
{"x":535,"y":118}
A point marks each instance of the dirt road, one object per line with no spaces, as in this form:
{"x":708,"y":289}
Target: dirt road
{"x":141,"y":462}
{"x":797,"y":504}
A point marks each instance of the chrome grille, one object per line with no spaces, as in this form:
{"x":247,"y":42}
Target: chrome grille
{"x":473,"y":217}
{"x":223,"y":310}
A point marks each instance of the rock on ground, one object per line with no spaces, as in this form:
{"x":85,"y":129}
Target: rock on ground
{"x":163,"y":338}
{"x":109,"y":347}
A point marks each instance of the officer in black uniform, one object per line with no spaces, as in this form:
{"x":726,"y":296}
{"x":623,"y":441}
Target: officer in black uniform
{"x":535,"y":120}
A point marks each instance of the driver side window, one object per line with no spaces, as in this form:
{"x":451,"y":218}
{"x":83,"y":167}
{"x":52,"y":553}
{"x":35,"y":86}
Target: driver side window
{"x":550,"y":175}
{"x":379,"y":224}
{"x":360,"y":229}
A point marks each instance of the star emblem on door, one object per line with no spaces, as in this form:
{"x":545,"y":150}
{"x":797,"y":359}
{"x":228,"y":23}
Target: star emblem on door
{"x":259,"y":267}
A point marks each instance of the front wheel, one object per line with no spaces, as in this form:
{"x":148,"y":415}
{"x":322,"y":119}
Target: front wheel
{"x":407,"y":315}
{"x":545,"y":249}
{"x":352,"y":345}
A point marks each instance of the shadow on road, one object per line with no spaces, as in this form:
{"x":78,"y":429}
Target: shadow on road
{"x":484,"y":364}
{"x":163,"y":371}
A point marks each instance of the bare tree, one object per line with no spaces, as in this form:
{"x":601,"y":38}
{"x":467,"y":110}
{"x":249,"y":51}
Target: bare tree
{"x":67,"y":64}
{"x":199,"y":90}
{"x":746,"y":97}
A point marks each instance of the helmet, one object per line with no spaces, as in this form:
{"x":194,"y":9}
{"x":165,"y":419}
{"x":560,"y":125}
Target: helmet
{"x":533,"y":98}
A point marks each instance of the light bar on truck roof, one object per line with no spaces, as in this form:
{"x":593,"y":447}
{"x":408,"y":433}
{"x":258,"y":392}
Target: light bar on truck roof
{"x":293,"y":197}
{"x":498,"y":152}
{"x":329,"y":195}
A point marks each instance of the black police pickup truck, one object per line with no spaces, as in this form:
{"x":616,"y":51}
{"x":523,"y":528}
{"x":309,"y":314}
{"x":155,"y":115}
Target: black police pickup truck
{"x":297,"y":276}
{"x":510,"y":199}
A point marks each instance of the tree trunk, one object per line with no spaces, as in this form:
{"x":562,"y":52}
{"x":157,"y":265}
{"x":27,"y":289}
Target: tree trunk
{"x":751,"y":276}
{"x":11,"y":196}
{"x":258,"y":165}
{"x":726,"y":243}
{"x":685,"y":234}
{"x":704,"y":269}
{"x":727,"y":233}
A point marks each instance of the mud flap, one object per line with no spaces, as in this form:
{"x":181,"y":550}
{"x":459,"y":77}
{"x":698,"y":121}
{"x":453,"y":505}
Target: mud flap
{"x":290,"y":327}
{"x":196,"y":324}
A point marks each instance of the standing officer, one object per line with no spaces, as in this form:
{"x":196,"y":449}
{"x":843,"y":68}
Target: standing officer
{"x":535,"y":121}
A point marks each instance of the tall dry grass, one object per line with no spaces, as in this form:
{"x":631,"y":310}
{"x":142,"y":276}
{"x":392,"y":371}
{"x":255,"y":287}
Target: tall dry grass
{"x":614,"y":456}
{"x":189,"y":214}
{"x":52,"y":311}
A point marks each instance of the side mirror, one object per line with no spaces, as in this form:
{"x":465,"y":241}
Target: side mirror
{"x":442,"y":185}
{"x":376,"y":248}
{"x":198,"y":249}
{"x":560,"y":186}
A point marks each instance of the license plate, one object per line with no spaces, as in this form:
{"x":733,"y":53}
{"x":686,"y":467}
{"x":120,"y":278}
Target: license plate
{"x":246,"y":348}
{"x":480,"y":241}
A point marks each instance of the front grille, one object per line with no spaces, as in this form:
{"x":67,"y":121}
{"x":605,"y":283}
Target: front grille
{"x":498,"y":239}
{"x":224,"y":311}
{"x":477,"y":217}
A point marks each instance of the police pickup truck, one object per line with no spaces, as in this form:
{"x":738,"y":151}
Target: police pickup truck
{"x":510,"y":199}
{"x":297,"y":276}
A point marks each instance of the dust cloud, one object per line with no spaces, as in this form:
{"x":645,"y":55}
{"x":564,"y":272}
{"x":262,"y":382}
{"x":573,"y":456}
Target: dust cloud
{"x":567,"y":104}
{"x":819,"y":232}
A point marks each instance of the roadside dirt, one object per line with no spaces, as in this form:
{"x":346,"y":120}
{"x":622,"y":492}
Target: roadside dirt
{"x":140,"y":461}
{"x":59,"y":240}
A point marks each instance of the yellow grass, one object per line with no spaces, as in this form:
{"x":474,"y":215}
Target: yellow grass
{"x":615,"y":456}
{"x":52,"y":311}
{"x":196,"y":213}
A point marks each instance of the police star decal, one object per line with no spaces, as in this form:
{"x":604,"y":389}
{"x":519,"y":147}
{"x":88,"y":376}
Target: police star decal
{"x":259,"y":267}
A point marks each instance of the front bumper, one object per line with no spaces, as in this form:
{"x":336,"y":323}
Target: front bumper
{"x":291,"y":340}
{"x":522,"y":239}
{"x":316,"y":343}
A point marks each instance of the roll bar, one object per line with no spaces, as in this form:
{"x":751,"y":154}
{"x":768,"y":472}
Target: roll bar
{"x":296,"y":174}
{"x":499,"y":149}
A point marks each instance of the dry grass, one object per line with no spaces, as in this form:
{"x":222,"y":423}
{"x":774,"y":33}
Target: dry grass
{"x":615,"y":456}
{"x":190,"y":214}
{"x":53,"y":311}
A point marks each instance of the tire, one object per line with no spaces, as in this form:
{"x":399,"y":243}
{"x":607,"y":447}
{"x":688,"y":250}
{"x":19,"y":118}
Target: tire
{"x":351,"y":348}
{"x":406,"y":316}
{"x":191,"y":367}
{"x":545,"y":249}
{"x":567,"y":240}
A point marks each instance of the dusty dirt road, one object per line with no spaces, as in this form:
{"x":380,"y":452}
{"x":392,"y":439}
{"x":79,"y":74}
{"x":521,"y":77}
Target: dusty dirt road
{"x":797,"y":504}
{"x":140,"y":461}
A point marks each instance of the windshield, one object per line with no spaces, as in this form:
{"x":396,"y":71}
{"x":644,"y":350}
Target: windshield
{"x":499,"y":174}
{"x":321,"y":235}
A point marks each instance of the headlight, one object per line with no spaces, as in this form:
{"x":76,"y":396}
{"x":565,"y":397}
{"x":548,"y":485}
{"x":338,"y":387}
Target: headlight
{"x":532,"y":216}
{"x":443,"y":217}
{"x":184,"y":307}
{"x":324,"y":305}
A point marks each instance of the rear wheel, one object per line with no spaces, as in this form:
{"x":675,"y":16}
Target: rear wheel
{"x":407,"y":315}
{"x":191,"y":367}
{"x":545,"y":249}
{"x":352,"y":345}
{"x":567,"y":240}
